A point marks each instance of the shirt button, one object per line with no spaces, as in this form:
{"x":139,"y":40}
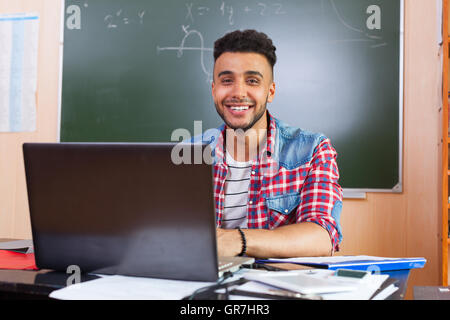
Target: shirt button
{"x":286,"y":210}
{"x":253,"y":172}
{"x":250,"y":202}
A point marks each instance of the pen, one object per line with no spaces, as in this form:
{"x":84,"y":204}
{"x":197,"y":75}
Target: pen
{"x":276,"y":294}
{"x":263,"y":266}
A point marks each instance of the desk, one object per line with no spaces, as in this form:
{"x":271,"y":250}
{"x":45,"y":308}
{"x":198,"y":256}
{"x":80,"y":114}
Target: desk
{"x":431,"y":293}
{"x":402,"y":276}
{"x":21,"y":284}
{"x":25,"y":284}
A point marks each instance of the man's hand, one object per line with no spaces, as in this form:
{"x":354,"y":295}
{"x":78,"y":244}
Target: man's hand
{"x":229,"y":242}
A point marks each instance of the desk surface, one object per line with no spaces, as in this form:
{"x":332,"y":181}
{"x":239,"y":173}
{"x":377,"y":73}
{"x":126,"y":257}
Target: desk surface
{"x":431,"y":293}
{"x":27,"y":284}
{"x":24,"y":284}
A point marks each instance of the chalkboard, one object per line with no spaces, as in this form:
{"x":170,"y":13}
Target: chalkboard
{"x":136,"y":70}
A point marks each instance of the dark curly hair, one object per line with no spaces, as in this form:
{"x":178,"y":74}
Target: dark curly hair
{"x":246,"y":41}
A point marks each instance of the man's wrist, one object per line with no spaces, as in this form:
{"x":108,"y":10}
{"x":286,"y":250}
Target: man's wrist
{"x":243,"y":242}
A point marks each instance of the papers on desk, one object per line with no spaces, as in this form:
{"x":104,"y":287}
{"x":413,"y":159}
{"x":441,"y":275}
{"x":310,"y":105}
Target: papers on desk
{"x":310,"y":282}
{"x":330,"y":287}
{"x":318,"y":283}
{"x":137,"y":288}
{"x":128,"y":288}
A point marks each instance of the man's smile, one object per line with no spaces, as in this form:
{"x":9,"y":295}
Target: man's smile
{"x":238,"y":107}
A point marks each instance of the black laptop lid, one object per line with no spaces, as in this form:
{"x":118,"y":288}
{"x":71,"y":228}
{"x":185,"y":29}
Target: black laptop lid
{"x":121,"y":209}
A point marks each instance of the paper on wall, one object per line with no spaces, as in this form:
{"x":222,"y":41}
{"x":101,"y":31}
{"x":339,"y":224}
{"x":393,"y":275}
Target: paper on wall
{"x":19,"y":35}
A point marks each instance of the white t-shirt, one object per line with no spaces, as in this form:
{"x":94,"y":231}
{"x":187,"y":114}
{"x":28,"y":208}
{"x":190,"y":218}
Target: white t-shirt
{"x":237,"y":184}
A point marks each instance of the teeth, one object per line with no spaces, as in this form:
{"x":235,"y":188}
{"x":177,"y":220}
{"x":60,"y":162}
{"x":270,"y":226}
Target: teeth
{"x":239,"y":108}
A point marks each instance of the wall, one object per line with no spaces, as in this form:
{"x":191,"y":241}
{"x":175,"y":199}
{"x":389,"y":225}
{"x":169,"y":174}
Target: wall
{"x":14,"y":221}
{"x":408,"y":224}
{"x":405,"y":225}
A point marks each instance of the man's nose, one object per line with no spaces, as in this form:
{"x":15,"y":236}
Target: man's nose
{"x":239,"y":90}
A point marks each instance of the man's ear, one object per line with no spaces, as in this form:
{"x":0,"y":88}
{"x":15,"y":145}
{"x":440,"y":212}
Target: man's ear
{"x":271,"y":92}
{"x":212,"y":80}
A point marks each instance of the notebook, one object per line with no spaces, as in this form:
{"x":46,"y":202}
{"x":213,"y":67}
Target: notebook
{"x":123,"y":208}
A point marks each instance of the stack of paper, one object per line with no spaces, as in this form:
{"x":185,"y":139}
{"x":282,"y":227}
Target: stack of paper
{"x":324,"y":284}
{"x":326,"y":287}
{"x":128,"y":288}
{"x":123,"y":288}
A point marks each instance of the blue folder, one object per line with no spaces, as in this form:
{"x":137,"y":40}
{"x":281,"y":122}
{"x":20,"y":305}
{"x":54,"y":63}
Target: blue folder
{"x":388,"y":264}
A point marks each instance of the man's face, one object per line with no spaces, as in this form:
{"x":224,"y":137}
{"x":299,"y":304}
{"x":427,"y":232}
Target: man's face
{"x":242,"y":86}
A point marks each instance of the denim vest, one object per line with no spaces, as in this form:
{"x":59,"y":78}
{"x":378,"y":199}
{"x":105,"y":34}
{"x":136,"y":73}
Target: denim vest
{"x":293,"y":147}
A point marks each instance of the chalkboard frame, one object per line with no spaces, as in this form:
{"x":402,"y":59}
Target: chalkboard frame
{"x":356,"y":193}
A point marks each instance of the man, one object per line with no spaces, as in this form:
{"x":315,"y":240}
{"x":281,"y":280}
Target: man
{"x":276,"y":187}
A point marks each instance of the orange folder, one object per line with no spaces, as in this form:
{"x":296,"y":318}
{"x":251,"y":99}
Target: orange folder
{"x":17,"y":261}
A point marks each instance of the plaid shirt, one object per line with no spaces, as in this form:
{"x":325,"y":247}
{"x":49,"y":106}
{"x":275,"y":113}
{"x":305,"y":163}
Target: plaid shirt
{"x":279,"y":196}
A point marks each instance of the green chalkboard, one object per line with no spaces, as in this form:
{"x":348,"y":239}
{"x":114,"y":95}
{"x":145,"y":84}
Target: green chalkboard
{"x":136,"y":70}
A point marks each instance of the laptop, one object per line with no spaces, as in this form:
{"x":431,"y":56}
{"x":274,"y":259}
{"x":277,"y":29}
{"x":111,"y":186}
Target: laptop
{"x":123,"y":208}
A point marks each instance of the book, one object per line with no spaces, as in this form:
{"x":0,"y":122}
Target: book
{"x":17,"y":260}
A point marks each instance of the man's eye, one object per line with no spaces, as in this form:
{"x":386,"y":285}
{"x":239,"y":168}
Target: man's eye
{"x":226,"y":81}
{"x":253,"y":81}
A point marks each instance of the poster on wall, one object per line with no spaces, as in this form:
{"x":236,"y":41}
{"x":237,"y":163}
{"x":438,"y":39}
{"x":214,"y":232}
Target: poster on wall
{"x":18,"y":71}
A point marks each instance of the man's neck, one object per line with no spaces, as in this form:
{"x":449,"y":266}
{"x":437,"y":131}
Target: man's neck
{"x":244,"y":146}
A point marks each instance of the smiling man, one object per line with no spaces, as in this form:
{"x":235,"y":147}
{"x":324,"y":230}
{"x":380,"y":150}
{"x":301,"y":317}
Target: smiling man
{"x":276,"y":187}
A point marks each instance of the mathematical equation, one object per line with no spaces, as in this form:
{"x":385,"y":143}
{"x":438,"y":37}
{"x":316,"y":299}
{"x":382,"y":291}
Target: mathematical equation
{"x":182,"y":47}
{"x":229,"y":11}
{"x":117,"y":18}
{"x":190,"y":11}
{"x":113,"y":20}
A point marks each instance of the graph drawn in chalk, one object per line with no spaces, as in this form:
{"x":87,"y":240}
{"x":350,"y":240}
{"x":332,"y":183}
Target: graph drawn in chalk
{"x":368,"y":37}
{"x":182,"y":47}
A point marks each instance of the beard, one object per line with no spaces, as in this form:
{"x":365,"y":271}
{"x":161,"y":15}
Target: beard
{"x":252,"y":122}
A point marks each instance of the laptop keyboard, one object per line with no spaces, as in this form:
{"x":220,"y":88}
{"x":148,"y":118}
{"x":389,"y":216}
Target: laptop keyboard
{"x":224,"y":265}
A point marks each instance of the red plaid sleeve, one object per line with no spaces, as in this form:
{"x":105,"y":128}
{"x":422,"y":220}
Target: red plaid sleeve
{"x":321,"y":195}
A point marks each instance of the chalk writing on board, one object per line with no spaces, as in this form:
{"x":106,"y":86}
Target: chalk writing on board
{"x":230,"y":15}
{"x":182,"y":47}
{"x":373,"y":22}
{"x":118,"y":18}
{"x":228,"y":12}
{"x":189,"y":15}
